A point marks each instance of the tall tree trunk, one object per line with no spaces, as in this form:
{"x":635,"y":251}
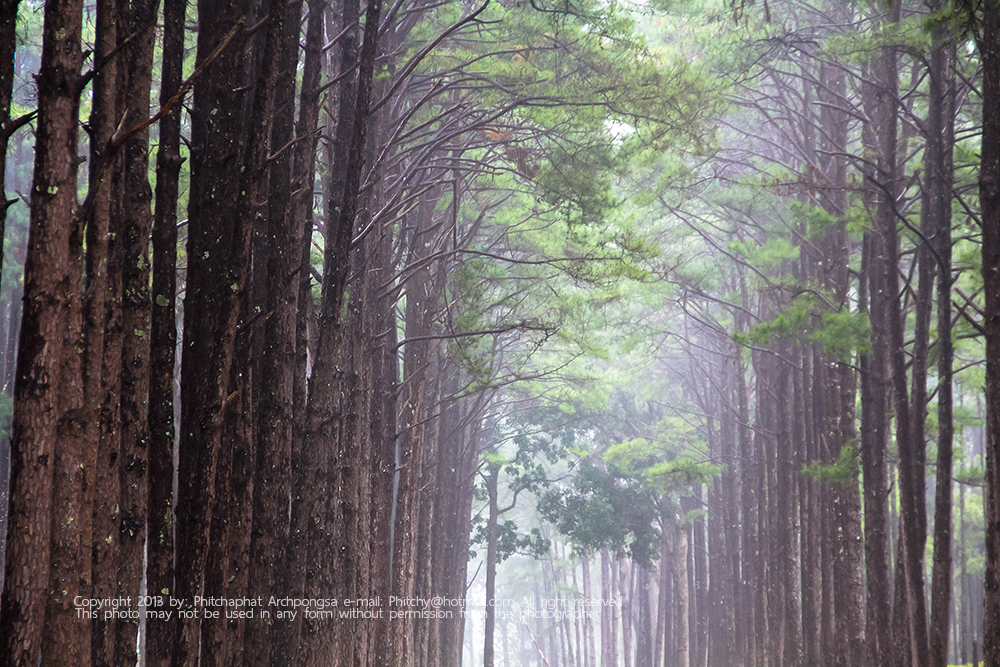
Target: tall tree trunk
{"x":588,"y":621}
{"x":272,"y":474}
{"x":104,"y":351}
{"x":875,"y":399}
{"x":886,"y":262}
{"x":284,"y":637}
{"x":608,"y":644}
{"x":748,"y":499}
{"x":989,"y":195}
{"x":137,"y":20}
{"x":683,"y":596}
{"x":941,"y":132}
{"x":218,"y":267}
{"x":39,"y":446}
{"x":323,"y":414}
{"x":492,"y":475}
{"x":163,"y":341}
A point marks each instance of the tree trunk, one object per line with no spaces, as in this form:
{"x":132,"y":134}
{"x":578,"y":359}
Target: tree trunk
{"x":104,"y":345}
{"x":886,"y":262}
{"x":137,"y":20}
{"x":491,"y":562}
{"x":683,"y":596}
{"x":941,"y":132}
{"x":163,"y":342}
{"x":51,"y":291}
{"x":218,"y":266}
{"x":272,"y":474}
{"x":285,"y":637}
{"x":8,"y":125}
{"x":989,"y":195}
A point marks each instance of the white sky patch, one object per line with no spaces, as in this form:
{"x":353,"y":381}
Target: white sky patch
{"x":619,"y":131}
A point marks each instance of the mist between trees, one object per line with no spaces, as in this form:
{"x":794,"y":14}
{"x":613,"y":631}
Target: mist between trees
{"x":328,"y":329}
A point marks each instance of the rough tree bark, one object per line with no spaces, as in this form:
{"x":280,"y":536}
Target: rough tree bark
{"x":989,"y":194}
{"x":131,"y":231}
{"x":272,"y":483}
{"x":51,"y":283}
{"x":163,"y":340}
{"x":104,"y":350}
{"x":886,"y":262}
{"x":218,"y":265}
{"x":940,"y":175}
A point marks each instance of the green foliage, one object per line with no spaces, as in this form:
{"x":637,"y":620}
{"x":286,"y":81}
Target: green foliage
{"x":6,"y":415}
{"x":604,"y":509}
{"x":791,"y":324}
{"x":909,"y":34}
{"x":681,"y":473}
{"x":774,"y":253}
{"x":658,"y":464}
{"x":844,"y":471}
{"x":509,"y":540}
{"x":970,"y":474}
{"x":842,"y":334}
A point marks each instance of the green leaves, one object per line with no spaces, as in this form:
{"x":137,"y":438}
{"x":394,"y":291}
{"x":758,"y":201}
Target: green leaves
{"x":844,"y":471}
{"x":808,"y":319}
{"x":601,"y":509}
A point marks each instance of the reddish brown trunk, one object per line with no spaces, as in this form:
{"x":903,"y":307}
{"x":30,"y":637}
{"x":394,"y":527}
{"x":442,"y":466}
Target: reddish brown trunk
{"x":941,"y":137}
{"x":218,"y":265}
{"x":131,"y":230}
{"x":163,"y":341}
{"x":272,"y":486}
{"x":51,"y":293}
{"x":989,"y":195}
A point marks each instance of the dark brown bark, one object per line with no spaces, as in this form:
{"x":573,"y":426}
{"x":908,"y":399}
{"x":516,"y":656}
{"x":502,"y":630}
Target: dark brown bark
{"x":941,"y":131}
{"x":227,"y":569}
{"x":323,"y":414}
{"x":875,"y":396}
{"x":886,"y":261}
{"x":163,"y":341}
{"x":416,"y":404}
{"x":383,"y":430}
{"x":874,"y":438}
{"x":285,"y":636}
{"x":218,"y":265}
{"x":272,"y":483}
{"x":989,"y":195}
{"x":41,"y":555}
{"x":104,"y":341}
{"x":229,"y":551}
{"x":131,"y":230}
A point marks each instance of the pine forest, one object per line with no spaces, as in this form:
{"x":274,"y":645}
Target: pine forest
{"x":500,"y":333}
